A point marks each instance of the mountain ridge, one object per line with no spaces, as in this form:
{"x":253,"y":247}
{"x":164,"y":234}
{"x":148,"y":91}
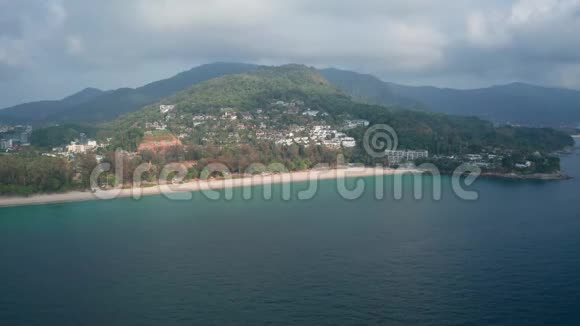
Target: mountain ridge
{"x":301,"y":90}
{"x":111,"y":104}
{"x":513,"y":103}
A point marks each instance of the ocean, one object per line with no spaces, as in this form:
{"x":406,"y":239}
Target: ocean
{"x":510,"y":257}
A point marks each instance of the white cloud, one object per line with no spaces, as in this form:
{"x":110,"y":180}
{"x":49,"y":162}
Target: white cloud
{"x":75,"y":45}
{"x":487,"y":31}
{"x":11,"y":51}
{"x":479,"y":41}
{"x":57,"y":14}
{"x":530,"y":11}
{"x":179,"y":14}
{"x":494,"y":28}
{"x":291,"y":31}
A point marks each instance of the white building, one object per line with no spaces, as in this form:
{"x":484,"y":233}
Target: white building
{"x":6,"y":143}
{"x":164,"y":109}
{"x":528,"y":164}
{"x":80,"y":148}
{"x":229,"y":115}
{"x":352,"y":124}
{"x":311,"y":113}
{"x":405,"y":156}
{"x":474,"y":157}
{"x":333,"y":143}
{"x":348,"y":142}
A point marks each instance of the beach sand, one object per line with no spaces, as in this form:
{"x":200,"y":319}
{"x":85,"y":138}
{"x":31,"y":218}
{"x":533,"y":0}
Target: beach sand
{"x":204,"y":185}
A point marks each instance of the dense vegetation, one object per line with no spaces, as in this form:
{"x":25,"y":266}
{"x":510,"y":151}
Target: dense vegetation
{"x":257,"y":90}
{"x":514,"y":103}
{"x":239,"y":159}
{"x":23,"y":175}
{"x":539,"y":164}
{"x":58,"y":135}
{"x":28,"y":173}
{"x":438,"y":133}
{"x":43,"y":112}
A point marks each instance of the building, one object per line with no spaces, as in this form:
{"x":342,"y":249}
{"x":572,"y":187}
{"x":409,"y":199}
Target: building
{"x":164,"y":109}
{"x":230,"y":115}
{"x":311,"y":113}
{"x":526,"y":165}
{"x":348,"y":142}
{"x":155,"y":125}
{"x":405,"y":156}
{"x":332,"y":143}
{"x":474,"y":157}
{"x":78,"y":148}
{"x":6,"y":144}
{"x":352,"y":124}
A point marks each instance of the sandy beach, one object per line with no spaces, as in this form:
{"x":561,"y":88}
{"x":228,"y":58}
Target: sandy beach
{"x":169,"y":190}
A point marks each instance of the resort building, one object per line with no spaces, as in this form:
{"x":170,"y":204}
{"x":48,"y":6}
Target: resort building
{"x":348,"y":142}
{"x":79,"y":148}
{"x":311,"y":113}
{"x":405,"y":156}
{"x":164,"y":109}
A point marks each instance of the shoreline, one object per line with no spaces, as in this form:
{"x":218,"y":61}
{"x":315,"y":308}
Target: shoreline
{"x":202,"y":185}
{"x":528,"y":177}
{"x":239,"y":182}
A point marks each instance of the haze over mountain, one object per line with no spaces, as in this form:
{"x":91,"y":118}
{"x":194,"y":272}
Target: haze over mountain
{"x":92,"y":105}
{"x":516,"y":103}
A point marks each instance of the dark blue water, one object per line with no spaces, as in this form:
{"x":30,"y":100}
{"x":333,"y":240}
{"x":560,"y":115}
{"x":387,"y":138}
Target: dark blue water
{"x":510,"y":258}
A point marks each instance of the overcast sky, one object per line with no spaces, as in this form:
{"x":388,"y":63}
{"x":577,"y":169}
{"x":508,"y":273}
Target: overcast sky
{"x":51,"y":48}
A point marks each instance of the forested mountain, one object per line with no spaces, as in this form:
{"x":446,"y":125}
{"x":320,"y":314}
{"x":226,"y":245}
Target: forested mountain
{"x":251,"y":92}
{"x":368,"y":89}
{"x":289,"y":115}
{"x":515,"y":103}
{"x":92,"y":105}
{"x":44,"y":110}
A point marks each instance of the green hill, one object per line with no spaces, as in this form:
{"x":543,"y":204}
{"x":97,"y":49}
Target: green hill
{"x":92,"y":105}
{"x":439,"y":133}
{"x":516,"y":103}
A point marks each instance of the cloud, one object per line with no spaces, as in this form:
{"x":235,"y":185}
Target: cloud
{"x":465,"y":43}
{"x":534,"y":40}
{"x":30,"y":26}
{"x":522,"y":23}
{"x":487,"y":31}
{"x":279,"y":31}
{"x":171,"y":15}
{"x":75,"y":45}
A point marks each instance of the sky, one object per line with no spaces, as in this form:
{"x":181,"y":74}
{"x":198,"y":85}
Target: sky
{"x":53,"y":48}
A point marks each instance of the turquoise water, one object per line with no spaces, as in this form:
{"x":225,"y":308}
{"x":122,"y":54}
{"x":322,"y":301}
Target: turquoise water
{"x":511,"y":257}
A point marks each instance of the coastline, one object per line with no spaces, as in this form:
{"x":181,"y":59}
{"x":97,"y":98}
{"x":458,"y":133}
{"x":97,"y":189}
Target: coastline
{"x":529,"y":177}
{"x":202,"y":185}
